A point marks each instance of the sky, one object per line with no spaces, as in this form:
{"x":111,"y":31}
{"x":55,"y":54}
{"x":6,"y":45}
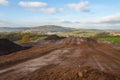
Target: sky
{"x":87,"y":14}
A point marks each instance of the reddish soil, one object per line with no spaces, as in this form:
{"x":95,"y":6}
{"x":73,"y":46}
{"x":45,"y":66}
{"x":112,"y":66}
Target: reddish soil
{"x":66,"y":59}
{"x":52,"y":72}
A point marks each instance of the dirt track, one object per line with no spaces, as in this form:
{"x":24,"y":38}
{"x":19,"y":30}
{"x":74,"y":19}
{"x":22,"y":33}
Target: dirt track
{"x":74,"y":52}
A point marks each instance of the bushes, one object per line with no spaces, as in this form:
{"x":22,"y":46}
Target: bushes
{"x":25,"y":38}
{"x":102,"y":34}
{"x":13,"y":36}
{"x":16,"y":36}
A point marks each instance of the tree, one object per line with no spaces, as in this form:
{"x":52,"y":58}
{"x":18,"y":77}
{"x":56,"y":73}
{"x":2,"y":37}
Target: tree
{"x":25,"y":38}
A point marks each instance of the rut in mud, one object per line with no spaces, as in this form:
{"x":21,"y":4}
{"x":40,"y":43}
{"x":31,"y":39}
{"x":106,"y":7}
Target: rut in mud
{"x":74,"y":54}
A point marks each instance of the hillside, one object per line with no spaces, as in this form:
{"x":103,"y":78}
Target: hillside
{"x":43,"y":29}
{"x":13,"y":29}
{"x":51,"y":28}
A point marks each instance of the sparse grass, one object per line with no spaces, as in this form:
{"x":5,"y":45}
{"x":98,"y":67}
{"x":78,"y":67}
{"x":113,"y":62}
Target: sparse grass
{"x":80,"y":33}
{"x":114,"y":39}
{"x":38,"y":38}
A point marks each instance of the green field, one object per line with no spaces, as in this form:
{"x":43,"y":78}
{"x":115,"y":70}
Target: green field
{"x":114,"y":39}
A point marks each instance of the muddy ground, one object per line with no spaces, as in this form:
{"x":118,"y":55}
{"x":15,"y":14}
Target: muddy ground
{"x":67,"y":59}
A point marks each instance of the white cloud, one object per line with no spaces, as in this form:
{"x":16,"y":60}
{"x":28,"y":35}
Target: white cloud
{"x":38,"y":6}
{"x":107,"y":22}
{"x":4,"y":2}
{"x":32,"y":4}
{"x":113,"y":19}
{"x":64,"y":21}
{"x":48,"y":10}
{"x":81,"y":7}
{"x":4,"y":23}
{"x":67,"y":21}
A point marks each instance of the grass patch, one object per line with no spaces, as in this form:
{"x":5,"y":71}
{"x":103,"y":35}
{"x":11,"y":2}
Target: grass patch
{"x":114,"y":39}
{"x":38,"y":38}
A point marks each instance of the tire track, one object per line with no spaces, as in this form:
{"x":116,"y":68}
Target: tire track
{"x":66,"y":53}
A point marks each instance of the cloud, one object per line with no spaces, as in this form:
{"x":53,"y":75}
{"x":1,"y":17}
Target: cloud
{"x":107,"y":22}
{"x":62,"y":21}
{"x":38,"y":6}
{"x":4,"y":23}
{"x":80,"y":7}
{"x":48,"y":10}
{"x":4,"y":2}
{"x":113,"y":19}
{"x":32,"y":4}
{"x":66,"y":21}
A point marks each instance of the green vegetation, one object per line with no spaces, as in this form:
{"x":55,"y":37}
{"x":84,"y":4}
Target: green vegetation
{"x":98,"y":34}
{"x":13,"y":36}
{"x":18,"y":36}
{"x":25,"y":38}
{"x":103,"y":34}
{"x":81,"y":33}
{"x":38,"y":38}
{"x":35,"y":36}
{"x":114,"y":39}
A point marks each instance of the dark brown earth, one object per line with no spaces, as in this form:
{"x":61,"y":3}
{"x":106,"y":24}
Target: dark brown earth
{"x":71,"y":58}
{"x":53,"y":37}
{"x":7,"y":47}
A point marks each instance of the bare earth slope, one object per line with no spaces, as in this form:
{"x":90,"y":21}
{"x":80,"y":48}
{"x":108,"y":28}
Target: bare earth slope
{"x":67,"y":59}
{"x":7,"y":46}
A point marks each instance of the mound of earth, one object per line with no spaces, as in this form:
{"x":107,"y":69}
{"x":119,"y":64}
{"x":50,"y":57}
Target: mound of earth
{"x":7,"y":46}
{"x":54,"y":37}
{"x":79,"y":73}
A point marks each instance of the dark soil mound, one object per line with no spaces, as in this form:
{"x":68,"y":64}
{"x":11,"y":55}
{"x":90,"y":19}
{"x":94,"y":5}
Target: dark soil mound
{"x":7,"y":46}
{"x":54,"y":37}
{"x":84,"y":73}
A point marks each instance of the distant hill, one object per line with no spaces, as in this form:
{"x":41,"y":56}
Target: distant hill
{"x":51,"y":28}
{"x":13,"y":29}
{"x":43,"y":29}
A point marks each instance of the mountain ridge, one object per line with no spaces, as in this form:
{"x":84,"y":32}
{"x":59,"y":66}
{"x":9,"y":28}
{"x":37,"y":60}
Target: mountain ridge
{"x":45,"y":28}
